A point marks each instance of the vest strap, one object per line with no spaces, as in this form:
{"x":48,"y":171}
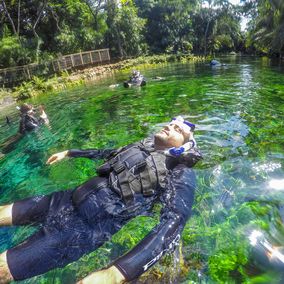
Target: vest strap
{"x":126,"y":192}
{"x":161,"y":168}
{"x":148,"y":180}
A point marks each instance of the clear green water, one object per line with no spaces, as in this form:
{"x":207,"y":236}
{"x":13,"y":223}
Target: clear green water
{"x":239,"y":112}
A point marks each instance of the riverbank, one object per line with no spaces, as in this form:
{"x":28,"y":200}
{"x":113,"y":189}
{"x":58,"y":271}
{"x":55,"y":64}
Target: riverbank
{"x":66,"y":79}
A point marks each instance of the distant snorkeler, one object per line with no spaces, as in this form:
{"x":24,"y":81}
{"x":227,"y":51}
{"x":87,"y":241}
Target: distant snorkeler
{"x":136,"y":79}
{"x":30,"y":119}
{"x":216,"y":63}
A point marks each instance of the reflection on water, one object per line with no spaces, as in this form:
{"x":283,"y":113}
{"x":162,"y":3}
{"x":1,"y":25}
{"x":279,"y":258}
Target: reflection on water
{"x":236,"y":233}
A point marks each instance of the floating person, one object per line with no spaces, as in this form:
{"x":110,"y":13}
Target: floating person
{"x":30,"y":120}
{"x":129,"y":84}
{"x":76,"y":222}
{"x":216,"y":63}
{"x":136,"y":79}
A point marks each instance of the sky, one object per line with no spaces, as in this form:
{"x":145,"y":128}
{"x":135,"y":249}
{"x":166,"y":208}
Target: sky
{"x":244,"y":20}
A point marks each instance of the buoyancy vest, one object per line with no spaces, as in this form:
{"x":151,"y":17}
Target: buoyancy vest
{"x":135,"y":169}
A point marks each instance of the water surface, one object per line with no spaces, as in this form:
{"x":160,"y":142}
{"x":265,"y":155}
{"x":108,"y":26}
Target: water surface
{"x":236,"y":234}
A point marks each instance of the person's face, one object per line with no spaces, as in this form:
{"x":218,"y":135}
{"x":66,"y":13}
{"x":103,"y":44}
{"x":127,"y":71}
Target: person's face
{"x":170,"y":136}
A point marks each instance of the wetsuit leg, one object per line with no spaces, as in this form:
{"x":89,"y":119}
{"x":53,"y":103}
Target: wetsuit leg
{"x":30,"y":210}
{"x":34,"y":210}
{"x":66,"y":235}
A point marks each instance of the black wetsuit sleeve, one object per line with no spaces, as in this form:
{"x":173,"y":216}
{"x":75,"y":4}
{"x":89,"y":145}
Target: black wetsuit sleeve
{"x":178,"y":200}
{"x":190,"y":158}
{"x":96,"y":153}
{"x":91,"y":154}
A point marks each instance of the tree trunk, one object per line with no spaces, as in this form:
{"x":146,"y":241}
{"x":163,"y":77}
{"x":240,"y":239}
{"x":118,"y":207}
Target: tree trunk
{"x":120,"y":49}
{"x":94,"y":13}
{"x":19,"y":16}
{"x":205,"y":38}
{"x":35,"y":33}
{"x":9,"y":17}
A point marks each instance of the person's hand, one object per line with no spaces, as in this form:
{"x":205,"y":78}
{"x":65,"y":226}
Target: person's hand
{"x":43,"y":115}
{"x":57,"y":157}
{"x":107,"y":276}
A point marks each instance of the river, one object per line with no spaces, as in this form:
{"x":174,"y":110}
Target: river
{"x":236,"y":233}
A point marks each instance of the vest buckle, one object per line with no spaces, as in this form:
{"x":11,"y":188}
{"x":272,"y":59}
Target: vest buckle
{"x":141,"y":164}
{"x":118,"y":167}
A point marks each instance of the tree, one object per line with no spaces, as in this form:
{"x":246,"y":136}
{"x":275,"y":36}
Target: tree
{"x":125,"y":29}
{"x":169,"y":24}
{"x":12,"y":52}
{"x":49,"y":26}
{"x":266,"y":28}
{"x":217,"y":27}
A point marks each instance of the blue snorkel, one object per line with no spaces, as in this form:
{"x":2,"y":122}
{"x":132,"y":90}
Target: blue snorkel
{"x":191,"y":125}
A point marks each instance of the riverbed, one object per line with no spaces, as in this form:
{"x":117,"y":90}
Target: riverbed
{"x":236,"y":232}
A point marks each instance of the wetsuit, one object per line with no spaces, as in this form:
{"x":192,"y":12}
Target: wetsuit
{"x":28,"y":122}
{"x":137,"y":80}
{"x":69,"y":231}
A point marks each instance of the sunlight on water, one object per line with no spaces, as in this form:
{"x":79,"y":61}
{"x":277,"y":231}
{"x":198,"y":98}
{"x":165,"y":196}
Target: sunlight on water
{"x":277,"y":184}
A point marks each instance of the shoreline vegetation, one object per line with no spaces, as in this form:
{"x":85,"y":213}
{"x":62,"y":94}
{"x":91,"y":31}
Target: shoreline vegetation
{"x":40,"y":85}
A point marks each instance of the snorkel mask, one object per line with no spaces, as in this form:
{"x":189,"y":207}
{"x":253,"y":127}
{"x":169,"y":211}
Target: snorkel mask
{"x":185,"y":125}
{"x":187,"y":128}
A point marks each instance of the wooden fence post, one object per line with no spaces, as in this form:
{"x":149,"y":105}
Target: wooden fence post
{"x":72,"y":60}
{"x":100,"y":56}
{"x":28,"y":71}
{"x":81,"y":58}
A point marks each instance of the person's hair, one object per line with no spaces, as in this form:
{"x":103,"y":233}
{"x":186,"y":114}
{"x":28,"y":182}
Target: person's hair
{"x":25,"y":108}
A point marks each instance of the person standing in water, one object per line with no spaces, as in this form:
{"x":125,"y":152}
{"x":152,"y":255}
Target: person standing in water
{"x":30,"y":119}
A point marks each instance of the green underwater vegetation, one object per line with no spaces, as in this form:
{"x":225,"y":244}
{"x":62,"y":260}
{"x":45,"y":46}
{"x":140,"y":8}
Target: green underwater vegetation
{"x":238,"y":109}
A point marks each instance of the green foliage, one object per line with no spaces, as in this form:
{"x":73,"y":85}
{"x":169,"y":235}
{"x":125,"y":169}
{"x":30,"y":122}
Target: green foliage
{"x":129,"y":28}
{"x":169,"y":26}
{"x":266,"y":28}
{"x":12,"y":52}
{"x":38,"y":86}
{"x":30,"y":89}
{"x":86,"y":33}
{"x":124,"y":29}
{"x":217,"y":28}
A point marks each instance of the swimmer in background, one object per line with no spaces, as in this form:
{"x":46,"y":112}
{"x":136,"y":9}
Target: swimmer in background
{"x":31,"y":119}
